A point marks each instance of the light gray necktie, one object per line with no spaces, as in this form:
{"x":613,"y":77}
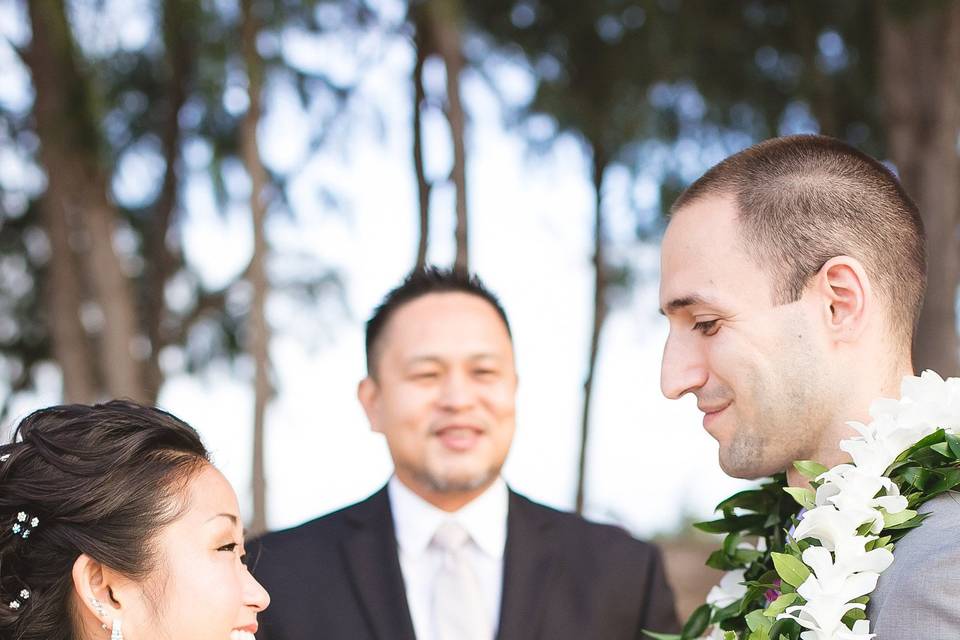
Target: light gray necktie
{"x":458,"y":612}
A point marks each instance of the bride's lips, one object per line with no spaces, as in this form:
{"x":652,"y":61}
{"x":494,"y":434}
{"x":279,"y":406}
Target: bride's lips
{"x":244,"y":633}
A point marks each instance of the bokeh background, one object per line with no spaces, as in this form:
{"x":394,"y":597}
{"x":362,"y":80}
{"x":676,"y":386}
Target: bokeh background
{"x":201,"y":201}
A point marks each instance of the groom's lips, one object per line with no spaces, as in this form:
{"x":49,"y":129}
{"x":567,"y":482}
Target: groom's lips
{"x":710,"y":414}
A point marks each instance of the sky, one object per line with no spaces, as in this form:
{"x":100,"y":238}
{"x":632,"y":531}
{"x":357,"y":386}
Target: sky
{"x":650,"y":464}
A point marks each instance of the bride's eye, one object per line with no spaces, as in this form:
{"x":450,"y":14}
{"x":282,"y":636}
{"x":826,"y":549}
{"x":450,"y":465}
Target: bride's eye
{"x":229,"y":547}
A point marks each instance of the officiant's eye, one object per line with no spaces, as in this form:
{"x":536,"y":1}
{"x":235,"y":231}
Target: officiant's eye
{"x":707,"y":327}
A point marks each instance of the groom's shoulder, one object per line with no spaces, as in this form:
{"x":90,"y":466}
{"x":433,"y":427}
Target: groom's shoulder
{"x":937,"y":532}
{"x":919,"y":589}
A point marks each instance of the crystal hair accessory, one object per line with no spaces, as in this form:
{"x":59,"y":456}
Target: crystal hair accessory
{"x":21,"y":599}
{"x":4,"y":457}
{"x":25,"y":524}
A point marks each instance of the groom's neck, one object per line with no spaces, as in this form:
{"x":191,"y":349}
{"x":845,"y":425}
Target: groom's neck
{"x":883,"y":382}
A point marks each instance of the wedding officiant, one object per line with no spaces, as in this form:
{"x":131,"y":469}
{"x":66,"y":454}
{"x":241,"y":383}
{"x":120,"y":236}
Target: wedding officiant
{"x":447,"y":550}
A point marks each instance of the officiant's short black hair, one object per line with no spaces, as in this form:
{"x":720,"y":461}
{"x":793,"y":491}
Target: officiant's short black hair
{"x":421,"y":282}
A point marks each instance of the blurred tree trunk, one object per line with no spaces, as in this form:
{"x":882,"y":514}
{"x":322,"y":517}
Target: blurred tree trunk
{"x":423,"y":185}
{"x":162,"y":261}
{"x":71,"y":347}
{"x":600,"y":282}
{"x":443,"y":19}
{"x":77,"y":193}
{"x":258,"y":331}
{"x":920,"y":85}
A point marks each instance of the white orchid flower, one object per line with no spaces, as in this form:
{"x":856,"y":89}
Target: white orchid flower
{"x":830,"y":525}
{"x":860,"y":631}
{"x":849,"y":488}
{"x":929,"y":402}
{"x":822,"y":617}
{"x":715,"y":633}
{"x":833,"y":571}
{"x":836,"y":579}
{"x":729,"y":590}
{"x":880,"y":442}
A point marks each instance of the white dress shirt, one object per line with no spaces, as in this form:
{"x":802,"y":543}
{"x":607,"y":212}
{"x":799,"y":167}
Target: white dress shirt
{"x":416,"y":521}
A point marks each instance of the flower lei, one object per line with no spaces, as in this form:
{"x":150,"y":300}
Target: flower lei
{"x":811,"y":573}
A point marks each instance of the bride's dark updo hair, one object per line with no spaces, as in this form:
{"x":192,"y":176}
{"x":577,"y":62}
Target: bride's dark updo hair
{"x":101,"y":480}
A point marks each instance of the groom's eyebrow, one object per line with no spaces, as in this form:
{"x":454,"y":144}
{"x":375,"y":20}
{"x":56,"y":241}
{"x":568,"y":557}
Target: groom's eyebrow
{"x":680,"y":303}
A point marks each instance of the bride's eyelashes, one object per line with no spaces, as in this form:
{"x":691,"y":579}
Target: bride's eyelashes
{"x":232,"y":548}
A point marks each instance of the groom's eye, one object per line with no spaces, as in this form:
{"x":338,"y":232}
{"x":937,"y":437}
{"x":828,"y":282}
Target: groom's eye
{"x":706,"y":327}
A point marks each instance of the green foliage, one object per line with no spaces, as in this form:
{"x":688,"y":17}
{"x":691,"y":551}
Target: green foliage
{"x":804,"y":497}
{"x":809,"y":469}
{"x":151,"y":103}
{"x":790,"y":569}
{"x":697,"y":623}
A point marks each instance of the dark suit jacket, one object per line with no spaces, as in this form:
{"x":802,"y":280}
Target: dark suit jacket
{"x":338,"y":578}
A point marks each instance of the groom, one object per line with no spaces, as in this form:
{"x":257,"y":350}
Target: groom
{"x":792,"y":276}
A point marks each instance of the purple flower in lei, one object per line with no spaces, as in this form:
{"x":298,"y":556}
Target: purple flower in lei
{"x":772,"y":594}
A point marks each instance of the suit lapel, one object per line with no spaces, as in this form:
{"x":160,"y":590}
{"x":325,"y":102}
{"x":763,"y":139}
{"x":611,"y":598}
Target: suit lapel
{"x":528,"y":572}
{"x":374,"y":566}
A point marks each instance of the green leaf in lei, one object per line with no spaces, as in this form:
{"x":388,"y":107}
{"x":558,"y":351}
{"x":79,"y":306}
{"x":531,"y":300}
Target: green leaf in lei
{"x":791,"y":569}
{"x":809,"y":469}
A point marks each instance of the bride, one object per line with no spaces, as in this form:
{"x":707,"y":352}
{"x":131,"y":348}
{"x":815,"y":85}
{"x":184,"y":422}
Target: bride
{"x":114,"y":524}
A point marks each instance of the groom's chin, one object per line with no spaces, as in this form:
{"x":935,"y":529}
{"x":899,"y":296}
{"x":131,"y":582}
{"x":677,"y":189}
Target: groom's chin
{"x":749,"y":469}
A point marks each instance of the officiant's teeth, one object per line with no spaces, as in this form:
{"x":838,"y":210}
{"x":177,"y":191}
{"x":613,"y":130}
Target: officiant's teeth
{"x":237,"y":634}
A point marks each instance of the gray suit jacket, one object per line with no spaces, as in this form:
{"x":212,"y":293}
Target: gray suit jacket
{"x":919,"y":595}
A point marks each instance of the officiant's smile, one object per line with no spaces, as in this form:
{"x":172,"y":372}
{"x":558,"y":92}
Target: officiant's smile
{"x":441,"y":389}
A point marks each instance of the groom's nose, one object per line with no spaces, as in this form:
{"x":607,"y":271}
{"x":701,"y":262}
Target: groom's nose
{"x":682,"y":369}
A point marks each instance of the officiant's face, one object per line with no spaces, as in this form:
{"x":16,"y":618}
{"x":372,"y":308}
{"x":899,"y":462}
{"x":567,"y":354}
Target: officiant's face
{"x":443,"y":393}
{"x":755,"y":367}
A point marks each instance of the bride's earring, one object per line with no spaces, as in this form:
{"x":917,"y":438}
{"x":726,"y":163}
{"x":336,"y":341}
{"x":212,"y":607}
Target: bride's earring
{"x":117,"y":634}
{"x":98,"y":606}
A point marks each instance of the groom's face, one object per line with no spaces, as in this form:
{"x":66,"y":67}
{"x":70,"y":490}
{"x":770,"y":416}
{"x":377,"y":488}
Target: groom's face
{"x":443,"y":394}
{"x":754,"y":366}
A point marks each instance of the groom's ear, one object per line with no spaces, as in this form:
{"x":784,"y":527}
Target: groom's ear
{"x":846,"y":298}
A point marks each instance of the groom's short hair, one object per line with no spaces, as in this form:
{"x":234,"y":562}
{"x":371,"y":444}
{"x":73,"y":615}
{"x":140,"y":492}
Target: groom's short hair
{"x":418,"y":283}
{"x":802,"y":200}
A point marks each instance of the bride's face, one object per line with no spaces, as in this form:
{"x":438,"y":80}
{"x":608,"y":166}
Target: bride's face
{"x":202,"y":589}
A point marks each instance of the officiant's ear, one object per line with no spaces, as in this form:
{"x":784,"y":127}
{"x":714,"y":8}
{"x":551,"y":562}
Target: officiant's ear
{"x":846,"y":297}
{"x":368,"y":393}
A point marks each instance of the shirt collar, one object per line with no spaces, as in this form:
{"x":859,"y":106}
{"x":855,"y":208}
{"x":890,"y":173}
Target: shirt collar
{"x":484,"y":518}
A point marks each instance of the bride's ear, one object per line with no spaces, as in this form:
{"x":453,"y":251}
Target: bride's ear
{"x":101,"y":591}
